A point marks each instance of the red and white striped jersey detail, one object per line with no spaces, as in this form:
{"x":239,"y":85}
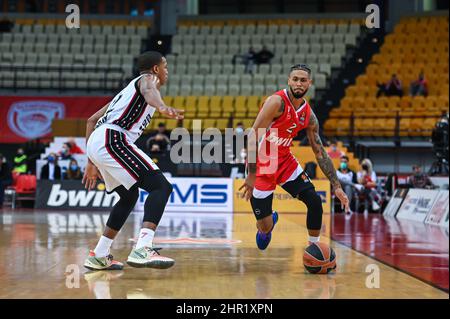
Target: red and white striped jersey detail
{"x":129,"y":111}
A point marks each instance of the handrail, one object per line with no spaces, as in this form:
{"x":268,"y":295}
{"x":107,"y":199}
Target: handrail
{"x":397,"y":130}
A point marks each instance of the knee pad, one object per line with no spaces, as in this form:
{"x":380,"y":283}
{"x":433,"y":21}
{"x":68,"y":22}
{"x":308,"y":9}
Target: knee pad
{"x":315,"y":210}
{"x":262,"y":207}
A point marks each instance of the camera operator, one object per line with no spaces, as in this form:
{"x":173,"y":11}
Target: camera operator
{"x":439,"y":138}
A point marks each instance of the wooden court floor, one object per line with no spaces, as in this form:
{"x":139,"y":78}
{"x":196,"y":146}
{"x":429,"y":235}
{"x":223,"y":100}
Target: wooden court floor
{"x":42,"y":252}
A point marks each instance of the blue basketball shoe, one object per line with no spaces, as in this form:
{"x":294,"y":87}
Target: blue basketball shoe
{"x":263,"y":240}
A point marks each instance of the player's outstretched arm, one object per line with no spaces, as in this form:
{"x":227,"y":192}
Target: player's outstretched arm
{"x":324,"y":161}
{"x":272,"y":108}
{"x":149,"y":89}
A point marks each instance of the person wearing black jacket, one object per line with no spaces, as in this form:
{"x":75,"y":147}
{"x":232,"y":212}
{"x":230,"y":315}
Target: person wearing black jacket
{"x":51,"y":170}
{"x":5,"y":177}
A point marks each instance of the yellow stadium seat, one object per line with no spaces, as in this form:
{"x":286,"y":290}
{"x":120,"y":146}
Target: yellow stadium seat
{"x":330,"y":124}
{"x":179,"y":102}
{"x":240,"y":103}
{"x":203,"y":102}
{"x":343,"y":127}
{"x":168,"y":100}
{"x":208,"y":123}
{"x":404,"y":126}
{"x":253,"y":103}
{"x":222,"y":124}
{"x":187,"y":124}
{"x":215,"y":106}
{"x":418,"y":103}
{"x":228,"y":102}
{"x":171,"y":124}
{"x":405,"y":102}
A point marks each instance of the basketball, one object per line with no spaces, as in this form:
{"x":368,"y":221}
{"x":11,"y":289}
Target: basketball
{"x":319,"y":258}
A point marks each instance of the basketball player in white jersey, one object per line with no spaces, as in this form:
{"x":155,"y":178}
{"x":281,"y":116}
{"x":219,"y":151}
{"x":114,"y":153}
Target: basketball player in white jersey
{"x":113,"y":157}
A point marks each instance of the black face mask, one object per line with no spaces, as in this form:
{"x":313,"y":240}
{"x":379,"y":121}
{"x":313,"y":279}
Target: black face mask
{"x":365,"y":167}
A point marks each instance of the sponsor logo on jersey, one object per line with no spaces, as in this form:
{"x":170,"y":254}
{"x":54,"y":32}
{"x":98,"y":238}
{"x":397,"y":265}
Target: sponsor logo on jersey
{"x":279,"y":141}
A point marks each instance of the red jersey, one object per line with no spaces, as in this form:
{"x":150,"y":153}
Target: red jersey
{"x":276,"y":165}
{"x":285,"y":128}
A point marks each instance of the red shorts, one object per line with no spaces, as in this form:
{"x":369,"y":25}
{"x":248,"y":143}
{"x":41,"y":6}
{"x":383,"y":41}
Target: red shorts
{"x":279,"y":173}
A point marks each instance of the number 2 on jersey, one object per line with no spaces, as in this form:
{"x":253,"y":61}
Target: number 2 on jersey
{"x":289,"y":130}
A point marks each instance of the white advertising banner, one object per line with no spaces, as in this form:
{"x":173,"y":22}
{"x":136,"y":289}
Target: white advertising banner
{"x":196,"y":195}
{"x":395,"y":202}
{"x":417,"y":204}
{"x":439,"y":212}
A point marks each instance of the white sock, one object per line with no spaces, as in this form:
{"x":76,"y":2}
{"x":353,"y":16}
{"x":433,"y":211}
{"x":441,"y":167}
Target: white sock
{"x":103,"y":246}
{"x":145,"y":238}
{"x":313,"y":239}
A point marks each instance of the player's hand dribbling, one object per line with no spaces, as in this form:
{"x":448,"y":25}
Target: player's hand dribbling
{"x":248,"y":186}
{"x":343,"y":199}
{"x":171,"y":112}
{"x":90,"y":176}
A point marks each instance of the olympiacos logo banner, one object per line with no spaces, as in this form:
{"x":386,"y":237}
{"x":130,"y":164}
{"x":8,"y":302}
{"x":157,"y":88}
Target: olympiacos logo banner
{"x":24,"y":118}
{"x":33,"y":119}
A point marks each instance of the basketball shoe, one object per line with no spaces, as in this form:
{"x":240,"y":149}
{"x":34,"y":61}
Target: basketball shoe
{"x":102,"y":263}
{"x":263,"y":240}
{"x":150,"y":258}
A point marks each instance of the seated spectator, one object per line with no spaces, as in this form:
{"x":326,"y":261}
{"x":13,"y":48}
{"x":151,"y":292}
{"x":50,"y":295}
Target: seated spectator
{"x":5,"y":177}
{"x":264,"y":56}
{"x":51,"y":170}
{"x":73,"y":147}
{"x":368,"y":178}
{"x":64,"y":154}
{"x":419,"y":86}
{"x":419,"y":179}
{"x":239,"y":128}
{"x":162,"y":129}
{"x":20,"y":162}
{"x":158,"y":144}
{"x":73,"y":171}
{"x":348,"y":179}
{"x":249,"y":60}
{"x":334,"y":152}
{"x":392,"y":88}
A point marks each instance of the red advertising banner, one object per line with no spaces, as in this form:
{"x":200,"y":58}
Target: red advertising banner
{"x":25,"y":118}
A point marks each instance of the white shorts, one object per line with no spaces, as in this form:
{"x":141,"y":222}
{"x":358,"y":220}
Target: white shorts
{"x":119,"y":162}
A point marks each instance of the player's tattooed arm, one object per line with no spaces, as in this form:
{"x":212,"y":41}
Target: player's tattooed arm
{"x":324,"y":161}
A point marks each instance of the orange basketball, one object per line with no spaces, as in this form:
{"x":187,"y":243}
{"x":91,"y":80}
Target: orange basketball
{"x":319,"y":258}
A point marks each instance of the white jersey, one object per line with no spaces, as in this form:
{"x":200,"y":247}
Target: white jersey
{"x":128,"y":112}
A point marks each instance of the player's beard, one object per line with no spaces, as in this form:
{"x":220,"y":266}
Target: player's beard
{"x":299,"y":95}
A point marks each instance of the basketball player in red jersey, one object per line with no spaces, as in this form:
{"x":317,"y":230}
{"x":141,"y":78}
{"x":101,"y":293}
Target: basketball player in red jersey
{"x":281,"y":117}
